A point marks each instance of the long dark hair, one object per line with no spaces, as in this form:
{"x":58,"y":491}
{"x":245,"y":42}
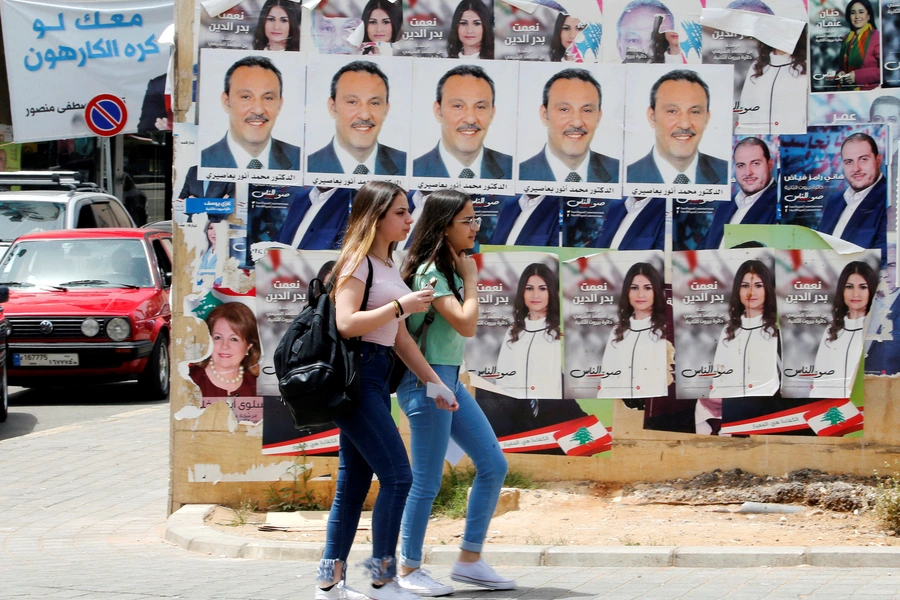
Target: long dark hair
{"x":736,"y":309}
{"x":658,"y":313}
{"x":429,"y":245}
{"x":557,"y":50}
{"x":520,"y":311}
{"x":394,"y":10}
{"x":454,"y":45}
{"x":764,"y":59}
{"x":839,"y":309}
{"x":260,"y":41}
{"x":866,"y":5}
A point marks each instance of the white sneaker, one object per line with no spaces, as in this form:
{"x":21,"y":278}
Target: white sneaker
{"x":422,"y":583}
{"x":340,"y":592}
{"x":481,"y":574}
{"x":390,"y":591}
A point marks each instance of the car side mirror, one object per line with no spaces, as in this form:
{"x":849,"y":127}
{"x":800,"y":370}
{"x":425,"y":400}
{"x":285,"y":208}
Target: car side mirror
{"x":167,"y":279}
{"x":4,"y":294}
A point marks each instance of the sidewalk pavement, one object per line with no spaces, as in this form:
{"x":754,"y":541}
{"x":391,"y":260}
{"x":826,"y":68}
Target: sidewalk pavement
{"x":186,"y":528}
{"x":83,"y":515}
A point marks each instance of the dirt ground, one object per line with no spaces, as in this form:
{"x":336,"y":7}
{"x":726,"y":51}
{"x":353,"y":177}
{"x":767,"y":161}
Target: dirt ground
{"x":702,"y":511}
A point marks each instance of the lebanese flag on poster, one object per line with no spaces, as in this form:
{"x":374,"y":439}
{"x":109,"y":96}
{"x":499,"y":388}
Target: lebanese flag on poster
{"x":838,"y":417}
{"x":583,"y":437}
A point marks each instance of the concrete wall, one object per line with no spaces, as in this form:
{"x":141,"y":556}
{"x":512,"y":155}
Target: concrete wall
{"x":216,"y":460}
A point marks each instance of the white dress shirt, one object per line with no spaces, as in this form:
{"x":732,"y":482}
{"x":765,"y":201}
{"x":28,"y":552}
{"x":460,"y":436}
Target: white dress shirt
{"x":633,"y":206}
{"x":242,"y":158}
{"x":853,"y":200}
{"x":349,"y":164}
{"x":669,"y":173}
{"x":454,"y":167}
{"x":317,"y":200}
{"x":527,"y":204}
{"x":561,"y":171}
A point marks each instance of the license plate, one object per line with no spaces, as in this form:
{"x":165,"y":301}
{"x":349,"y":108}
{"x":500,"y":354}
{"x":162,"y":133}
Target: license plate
{"x":45,"y":360}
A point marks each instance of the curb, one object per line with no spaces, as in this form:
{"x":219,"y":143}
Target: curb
{"x":186,"y":528}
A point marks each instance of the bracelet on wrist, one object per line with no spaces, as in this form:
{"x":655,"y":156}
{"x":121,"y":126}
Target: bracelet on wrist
{"x":398,"y":310}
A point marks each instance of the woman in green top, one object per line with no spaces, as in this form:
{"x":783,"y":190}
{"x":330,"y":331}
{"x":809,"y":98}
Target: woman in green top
{"x":445,"y":230}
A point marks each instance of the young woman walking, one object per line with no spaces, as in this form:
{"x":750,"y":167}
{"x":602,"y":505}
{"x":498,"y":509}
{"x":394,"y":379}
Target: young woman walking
{"x":446,"y":228}
{"x":369,"y":440}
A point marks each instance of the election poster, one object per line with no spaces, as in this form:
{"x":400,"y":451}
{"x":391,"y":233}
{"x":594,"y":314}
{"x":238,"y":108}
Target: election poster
{"x":844,"y":49}
{"x":524,"y":36}
{"x":570,"y":130}
{"x":722,"y":302}
{"x":244,"y":135}
{"x":60,"y":56}
{"x":678,"y":130}
{"x":825,"y":167}
{"x":615,"y":301}
{"x":655,"y":32}
{"x":357,"y":130}
{"x":824,"y":300}
{"x":523,"y":220}
{"x":890,"y":45}
{"x":447,"y":29}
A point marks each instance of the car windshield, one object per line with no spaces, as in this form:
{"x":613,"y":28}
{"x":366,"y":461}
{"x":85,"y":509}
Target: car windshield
{"x":18,"y":217}
{"x":76,"y":263}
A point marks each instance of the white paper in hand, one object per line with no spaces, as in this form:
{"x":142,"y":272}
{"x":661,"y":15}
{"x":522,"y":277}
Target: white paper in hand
{"x":433,"y":390}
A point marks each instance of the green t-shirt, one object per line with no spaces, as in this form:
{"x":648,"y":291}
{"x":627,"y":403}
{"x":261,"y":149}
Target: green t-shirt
{"x":445,"y":346}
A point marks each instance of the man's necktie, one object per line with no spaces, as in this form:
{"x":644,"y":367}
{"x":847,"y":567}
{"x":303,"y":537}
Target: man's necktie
{"x":682,"y":178}
{"x":361,"y":170}
{"x":467,"y":173}
{"x":573,"y":176}
{"x":254,"y":164}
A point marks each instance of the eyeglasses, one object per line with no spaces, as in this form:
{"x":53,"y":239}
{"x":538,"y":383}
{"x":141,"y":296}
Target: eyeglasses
{"x":473,"y":222}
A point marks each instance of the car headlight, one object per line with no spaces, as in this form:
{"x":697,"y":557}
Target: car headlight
{"x":90,"y":327}
{"x":118,"y":329}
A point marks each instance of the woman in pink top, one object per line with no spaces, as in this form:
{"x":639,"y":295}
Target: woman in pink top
{"x":369,"y":441}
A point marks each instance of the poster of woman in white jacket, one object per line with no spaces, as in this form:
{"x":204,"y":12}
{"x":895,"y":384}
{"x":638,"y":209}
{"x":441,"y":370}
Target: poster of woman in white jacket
{"x":635,"y":356}
{"x":840,"y":350}
{"x":748,"y":350}
{"x":531,"y":352}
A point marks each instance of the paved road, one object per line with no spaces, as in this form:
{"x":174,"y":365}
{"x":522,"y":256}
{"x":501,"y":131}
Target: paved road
{"x":82,"y":510}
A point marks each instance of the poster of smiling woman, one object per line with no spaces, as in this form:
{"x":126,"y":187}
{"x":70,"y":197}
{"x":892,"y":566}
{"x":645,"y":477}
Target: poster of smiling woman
{"x":726,"y":338}
{"x":824,"y":301}
{"x":517,"y":349}
{"x":616,"y":302}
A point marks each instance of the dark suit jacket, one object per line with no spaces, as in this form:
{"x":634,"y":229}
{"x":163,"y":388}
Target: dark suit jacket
{"x":541,"y":228}
{"x":282,"y":156}
{"x":388,"y":161}
{"x":709,"y":170}
{"x":761,"y":213}
{"x":647,"y":232}
{"x":154,"y":105}
{"x":601,"y":169}
{"x":194,"y":187}
{"x":327,"y":229}
{"x":884,"y":357}
{"x":494,"y":165}
{"x":867,"y":227}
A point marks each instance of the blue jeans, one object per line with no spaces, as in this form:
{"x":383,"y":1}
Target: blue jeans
{"x":369,"y":442}
{"x":431,"y":430}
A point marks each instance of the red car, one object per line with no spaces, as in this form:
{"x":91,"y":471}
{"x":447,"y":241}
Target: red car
{"x":89,"y":306}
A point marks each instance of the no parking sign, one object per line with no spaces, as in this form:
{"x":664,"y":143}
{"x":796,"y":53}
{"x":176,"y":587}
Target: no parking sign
{"x":106,"y":115}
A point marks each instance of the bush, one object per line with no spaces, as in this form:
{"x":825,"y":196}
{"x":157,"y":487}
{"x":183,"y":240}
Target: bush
{"x":887,"y":502}
{"x":453,"y":497}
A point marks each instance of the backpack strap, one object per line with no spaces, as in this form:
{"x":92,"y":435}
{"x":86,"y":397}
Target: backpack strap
{"x":365,"y":299}
{"x":422,"y":332}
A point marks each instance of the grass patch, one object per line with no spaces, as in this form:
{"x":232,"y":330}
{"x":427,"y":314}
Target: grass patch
{"x":887,"y":501}
{"x":242,"y":513}
{"x":452,"y":498}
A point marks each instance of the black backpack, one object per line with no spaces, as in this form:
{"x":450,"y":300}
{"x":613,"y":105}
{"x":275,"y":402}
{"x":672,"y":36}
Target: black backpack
{"x":318,"y":370}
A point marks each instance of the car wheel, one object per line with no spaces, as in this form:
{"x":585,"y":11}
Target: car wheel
{"x":155,"y":379}
{"x":4,"y":405}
